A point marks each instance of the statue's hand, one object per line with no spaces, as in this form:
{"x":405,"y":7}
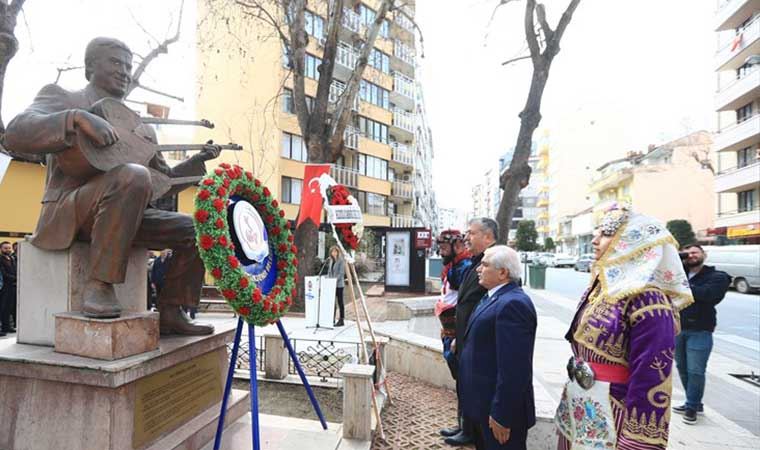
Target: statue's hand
{"x":210,"y":151}
{"x":100,"y":132}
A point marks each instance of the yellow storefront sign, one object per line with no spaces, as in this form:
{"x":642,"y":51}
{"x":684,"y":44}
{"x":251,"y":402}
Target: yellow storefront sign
{"x":750,"y":230}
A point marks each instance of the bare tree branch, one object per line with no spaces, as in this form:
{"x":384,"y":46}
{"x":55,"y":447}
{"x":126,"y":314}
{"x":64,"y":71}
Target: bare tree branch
{"x":65,"y":69}
{"x":15,"y":6}
{"x":541,"y":15}
{"x":564,"y":21}
{"x":530,"y":32}
{"x":162,"y":48}
{"x":515,"y":59}
{"x":137,"y":22}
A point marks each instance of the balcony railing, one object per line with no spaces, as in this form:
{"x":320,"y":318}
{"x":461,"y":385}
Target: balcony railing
{"x":403,"y":119}
{"x":730,"y":13}
{"x":345,"y":176}
{"x":336,"y":90}
{"x":402,"y":189}
{"x":739,"y":92}
{"x":738,"y":178}
{"x":351,"y":20}
{"x":400,"y":221}
{"x":402,"y":154}
{"x":403,"y":52}
{"x":403,"y":85}
{"x":403,"y":21}
{"x":737,"y":135}
{"x":743,"y":39}
{"x":351,"y":138}
{"x":346,"y":56}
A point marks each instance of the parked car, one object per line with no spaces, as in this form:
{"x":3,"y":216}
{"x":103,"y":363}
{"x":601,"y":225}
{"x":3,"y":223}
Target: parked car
{"x":584,"y":263}
{"x":563,"y":260}
{"x":544,"y":258}
{"x":741,"y":262}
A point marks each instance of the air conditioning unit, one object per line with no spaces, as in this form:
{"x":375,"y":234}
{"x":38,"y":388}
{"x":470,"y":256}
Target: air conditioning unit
{"x":321,"y":42}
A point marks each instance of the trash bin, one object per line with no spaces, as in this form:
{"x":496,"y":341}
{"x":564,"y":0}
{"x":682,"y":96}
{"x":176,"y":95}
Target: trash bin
{"x":537,"y":276}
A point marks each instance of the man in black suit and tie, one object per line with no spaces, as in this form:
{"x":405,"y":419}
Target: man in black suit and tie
{"x":496,"y":363}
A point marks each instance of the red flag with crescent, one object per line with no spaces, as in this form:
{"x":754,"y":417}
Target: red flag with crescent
{"x":311,"y":197}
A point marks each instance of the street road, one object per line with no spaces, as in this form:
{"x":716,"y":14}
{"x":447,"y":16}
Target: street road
{"x":737,"y":335}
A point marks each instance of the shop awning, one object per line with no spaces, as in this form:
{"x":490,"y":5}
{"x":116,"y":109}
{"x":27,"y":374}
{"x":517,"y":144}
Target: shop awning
{"x":742,"y":231}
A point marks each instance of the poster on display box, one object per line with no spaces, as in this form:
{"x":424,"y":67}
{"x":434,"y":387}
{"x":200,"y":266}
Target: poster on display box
{"x":397,"y":258}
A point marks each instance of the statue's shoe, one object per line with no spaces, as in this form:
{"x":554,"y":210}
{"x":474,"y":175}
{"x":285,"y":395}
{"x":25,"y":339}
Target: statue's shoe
{"x":100,"y":301}
{"x":172,"y":320}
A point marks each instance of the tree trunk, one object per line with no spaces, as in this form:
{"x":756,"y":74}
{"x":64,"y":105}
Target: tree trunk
{"x":306,"y":239}
{"x":8,"y":43}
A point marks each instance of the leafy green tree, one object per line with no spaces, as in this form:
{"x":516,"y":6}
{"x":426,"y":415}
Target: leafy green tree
{"x":526,"y":236}
{"x":682,"y":231}
{"x":549,"y":244}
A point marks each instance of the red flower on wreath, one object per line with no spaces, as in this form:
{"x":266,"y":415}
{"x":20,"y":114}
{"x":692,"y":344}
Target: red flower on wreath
{"x":219,"y":204}
{"x":229,"y":294}
{"x":219,"y":172}
{"x":221,"y":191}
{"x":224,"y":165}
{"x":201,"y":215}
{"x":233,"y":261}
{"x":244,"y":282}
{"x":219,"y":223}
{"x":338,"y":195}
{"x":209,"y":182}
{"x":216,"y":273}
{"x":244,"y":310}
{"x":222,"y":241}
{"x":266,"y":192}
{"x":204,"y":194}
{"x":206,"y":242}
{"x":256,"y":296}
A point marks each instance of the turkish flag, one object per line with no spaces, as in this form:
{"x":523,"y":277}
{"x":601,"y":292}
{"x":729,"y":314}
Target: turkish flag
{"x":311,"y":198}
{"x":736,"y":42}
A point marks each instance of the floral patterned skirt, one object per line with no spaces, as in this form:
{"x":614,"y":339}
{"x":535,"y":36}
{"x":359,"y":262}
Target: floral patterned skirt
{"x":585,"y":418}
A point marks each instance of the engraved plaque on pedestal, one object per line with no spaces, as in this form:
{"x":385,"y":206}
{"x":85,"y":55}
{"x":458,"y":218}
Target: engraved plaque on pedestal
{"x":168,"y":399}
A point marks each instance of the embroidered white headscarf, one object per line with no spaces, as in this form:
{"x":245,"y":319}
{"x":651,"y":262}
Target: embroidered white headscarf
{"x":642,"y":255}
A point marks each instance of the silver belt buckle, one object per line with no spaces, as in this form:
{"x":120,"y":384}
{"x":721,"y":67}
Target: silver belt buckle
{"x":581,"y":372}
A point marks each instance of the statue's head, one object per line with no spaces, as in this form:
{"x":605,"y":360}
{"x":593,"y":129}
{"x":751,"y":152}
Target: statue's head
{"x":108,"y":65}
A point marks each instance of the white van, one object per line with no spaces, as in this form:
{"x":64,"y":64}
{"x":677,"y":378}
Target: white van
{"x":742,"y":262}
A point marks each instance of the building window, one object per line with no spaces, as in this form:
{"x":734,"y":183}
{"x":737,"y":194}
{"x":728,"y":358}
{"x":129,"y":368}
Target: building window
{"x":289,"y":104}
{"x":374,"y":204}
{"x":380,"y":61}
{"x":367,"y":16}
{"x":745,"y":157}
{"x":315,"y":25}
{"x":744,"y":113}
{"x":747,"y":200}
{"x":311,"y":68}
{"x":291,"y":190}
{"x":371,"y":166}
{"x":372,"y":93}
{"x":372,"y":129}
{"x":293,"y":147}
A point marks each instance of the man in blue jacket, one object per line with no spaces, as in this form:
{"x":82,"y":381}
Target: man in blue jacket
{"x":694,"y":343}
{"x":496,"y":364}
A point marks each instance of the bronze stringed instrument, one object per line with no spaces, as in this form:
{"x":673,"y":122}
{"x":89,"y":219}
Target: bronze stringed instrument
{"x":135,"y":146}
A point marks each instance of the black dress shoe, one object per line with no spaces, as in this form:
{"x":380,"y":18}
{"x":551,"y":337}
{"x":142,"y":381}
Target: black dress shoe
{"x":339,"y":323}
{"x":10,"y":330}
{"x":448,"y":432}
{"x":459,"y":439}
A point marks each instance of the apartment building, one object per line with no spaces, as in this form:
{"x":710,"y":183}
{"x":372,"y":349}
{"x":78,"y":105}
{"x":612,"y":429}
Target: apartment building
{"x":737,"y":102}
{"x":486,"y":195}
{"x":449,"y":218}
{"x":250,"y":97}
{"x":670,"y":181}
{"x":527,"y":208}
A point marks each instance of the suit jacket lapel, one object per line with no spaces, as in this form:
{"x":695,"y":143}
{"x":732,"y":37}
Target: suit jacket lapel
{"x":479,"y":310}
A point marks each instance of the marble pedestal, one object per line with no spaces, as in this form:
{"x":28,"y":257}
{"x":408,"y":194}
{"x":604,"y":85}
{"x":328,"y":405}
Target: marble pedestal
{"x":130,"y":334}
{"x":51,"y":282}
{"x":165,"y":399}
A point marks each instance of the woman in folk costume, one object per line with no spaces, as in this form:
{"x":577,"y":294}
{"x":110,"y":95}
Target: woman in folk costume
{"x":622,"y":337}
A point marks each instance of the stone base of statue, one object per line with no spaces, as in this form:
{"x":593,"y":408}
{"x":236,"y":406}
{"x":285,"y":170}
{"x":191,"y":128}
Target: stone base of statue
{"x":52,"y":282}
{"x":168,"y":398}
{"x":128,"y":335}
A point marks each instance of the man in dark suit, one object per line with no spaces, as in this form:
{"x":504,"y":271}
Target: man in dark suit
{"x":481,"y":234}
{"x":496,"y":363}
{"x":110,"y":210}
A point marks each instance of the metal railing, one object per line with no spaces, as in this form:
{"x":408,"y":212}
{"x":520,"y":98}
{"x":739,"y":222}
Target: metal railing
{"x":402,"y":19}
{"x":336,"y":90}
{"x":323,"y":358}
{"x":402,"y":154}
{"x":346,"y":56}
{"x":244,"y":358}
{"x":401,"y":221}
{"x":403,"y":119}
{"x":402,"y":189}
{"x":351,"y":20}
{"x":731,"y":169}
{"x":403,"y":52}
{"x":403,"y":85}
{"x":345,"y":175}
{"x":738,"y":211}
{"x":351,"y":138}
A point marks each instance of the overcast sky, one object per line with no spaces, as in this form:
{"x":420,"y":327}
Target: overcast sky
{"x":647,"y":60}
